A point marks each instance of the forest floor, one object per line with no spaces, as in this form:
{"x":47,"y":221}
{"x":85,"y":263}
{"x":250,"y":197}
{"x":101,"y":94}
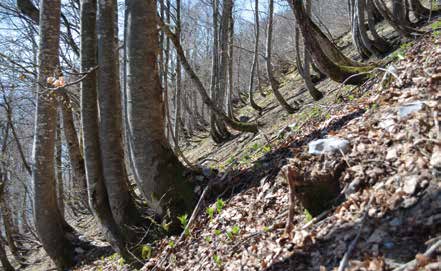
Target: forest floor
{"x":389,"y":213}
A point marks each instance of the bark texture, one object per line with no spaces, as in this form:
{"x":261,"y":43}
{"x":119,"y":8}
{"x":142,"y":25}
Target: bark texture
{"x":98,"y":196}
{"x":110,"y":127}
{"x":160,"y":171}
{"x":48,"y":220}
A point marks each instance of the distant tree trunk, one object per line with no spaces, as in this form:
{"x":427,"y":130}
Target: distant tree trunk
{"x":48,"y":220}
{"x":7,"y":266}
{"x":366,"y":47}
{"x":59,"y":169}
{"x":10,"y":228}
{"x":404,"y":29}
{"x":255,"y":59}
{"x":374,"y":16}
{"x":421,"y":12}
{"x":112,"y":153}
{"x":273,"y":81}
{"x":306,"y":69}
{"x":218,"y":131}
{"x":161,"y":172}
{"x":326,"y":56}
{"x":230,"y":68}
{"x":6,"y":214}
{"x":73,"y":148}
{"x":240,"y":126}
{"x":178,"y":71}
{"x":98,"y":195}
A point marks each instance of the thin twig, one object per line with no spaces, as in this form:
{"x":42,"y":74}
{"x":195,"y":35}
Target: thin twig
{"x":348,"y":253}
{"x":428,"y":253}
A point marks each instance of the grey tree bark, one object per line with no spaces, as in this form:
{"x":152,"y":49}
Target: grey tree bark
{"x":98,"y":196}
{"x":327,"y":57}
{"x":255,"y":59}
{"x":218,"y":131}
{"x":7,"y":266}
{"x":110,"y":129}
{"x":59,"y":168}
{"x":269,"y":69}
{"x":75,"y":156}
{"x":160,"y":172}
{"x":240,"y":126}
{"x":48,"y":220}
{"x":178,"y":71}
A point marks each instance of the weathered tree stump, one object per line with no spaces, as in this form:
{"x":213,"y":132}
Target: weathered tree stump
{"x":315,"y":184}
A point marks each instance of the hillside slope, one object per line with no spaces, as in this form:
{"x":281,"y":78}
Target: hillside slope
{"x":391,"y":210}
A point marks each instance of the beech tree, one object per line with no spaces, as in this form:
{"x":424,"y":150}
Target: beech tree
{"x":116,"y":180}
{"x":98,"y":196}
{"x":48,"y":220}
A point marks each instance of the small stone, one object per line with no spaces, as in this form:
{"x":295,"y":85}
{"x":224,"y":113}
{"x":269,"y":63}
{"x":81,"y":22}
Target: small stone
{"x":387,"y":123}
{"x":391,"y":154}
{"x":410,"y":184}
{"x":409,"y":202}
{"x":328,"y":146}
{"x":409,"y":108}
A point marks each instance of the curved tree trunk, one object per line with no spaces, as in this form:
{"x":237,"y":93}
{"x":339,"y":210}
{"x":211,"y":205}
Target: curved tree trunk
{"x":98,"y":196}
{"x":159,"y":169}
{"x":7,"y":266}
{"x":230,"y":112}
{"x":269,"y":69}
{"x":403,"y":29}
{"x":305,"y":69}
{"x":48,"y":220}
{"x":240,"y":126}
{"x":326,"y":56}
{"x":112,"y":153}
{"x":217,"y":130}
{"x":251,"y":87}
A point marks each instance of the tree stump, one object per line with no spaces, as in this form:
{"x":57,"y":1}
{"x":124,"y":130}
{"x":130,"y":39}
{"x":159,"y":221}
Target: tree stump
{"x":315,"y":184}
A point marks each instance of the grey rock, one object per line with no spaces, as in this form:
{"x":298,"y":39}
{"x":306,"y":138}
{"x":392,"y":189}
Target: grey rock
{"x":328,"y":146}
{"x":409,"y":108}
{"x":387,"y":123}
{"x":410,"y":184}
{"x":409,"y":202}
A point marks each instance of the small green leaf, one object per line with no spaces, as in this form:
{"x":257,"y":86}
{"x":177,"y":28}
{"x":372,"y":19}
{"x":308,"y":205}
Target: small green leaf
{"x":219,"y":205}
{"x":146,"y":252}
{"x":210,"y":212}
{"x":217,"y":260}
{"x":235,"y":230}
